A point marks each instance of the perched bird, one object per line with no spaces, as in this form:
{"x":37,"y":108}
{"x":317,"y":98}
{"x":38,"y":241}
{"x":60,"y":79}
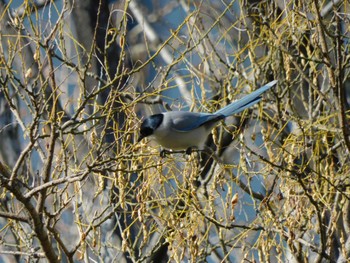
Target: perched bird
{"x":183,"y":130}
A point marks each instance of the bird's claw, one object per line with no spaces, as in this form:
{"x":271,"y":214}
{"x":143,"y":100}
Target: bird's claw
{"x":189,"y":150}
{"x":163,"y":153}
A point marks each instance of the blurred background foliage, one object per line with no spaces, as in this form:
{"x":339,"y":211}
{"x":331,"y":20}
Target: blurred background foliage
{"x":76,"y":79}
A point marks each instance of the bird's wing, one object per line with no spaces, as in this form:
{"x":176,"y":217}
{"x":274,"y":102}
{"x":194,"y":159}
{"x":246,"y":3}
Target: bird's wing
{"x":183,"y":121}
{"x":246,"y":101}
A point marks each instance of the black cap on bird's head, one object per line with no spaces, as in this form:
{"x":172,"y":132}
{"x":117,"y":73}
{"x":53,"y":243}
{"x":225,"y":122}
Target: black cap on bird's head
{"x":149,"y":125}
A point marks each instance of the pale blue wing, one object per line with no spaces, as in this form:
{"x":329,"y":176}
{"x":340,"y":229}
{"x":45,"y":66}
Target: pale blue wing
{"x":184,"y":121}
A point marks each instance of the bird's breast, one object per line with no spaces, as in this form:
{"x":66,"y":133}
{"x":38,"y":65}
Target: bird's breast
{"x":180,"y":140}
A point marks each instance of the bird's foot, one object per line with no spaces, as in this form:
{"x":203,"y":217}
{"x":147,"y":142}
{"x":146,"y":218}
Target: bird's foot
{"x":189,"y":150}
{"x":163,"y":153}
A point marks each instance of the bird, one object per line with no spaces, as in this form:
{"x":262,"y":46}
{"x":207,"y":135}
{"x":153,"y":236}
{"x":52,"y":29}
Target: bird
{"x":185,"y":130}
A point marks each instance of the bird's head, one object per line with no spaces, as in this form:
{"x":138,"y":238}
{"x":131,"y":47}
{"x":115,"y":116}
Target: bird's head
{"x":149,"y":125}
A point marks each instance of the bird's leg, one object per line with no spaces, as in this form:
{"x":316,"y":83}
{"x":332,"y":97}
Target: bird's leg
{"x":189,"y":150}
{"x":163,"y":153}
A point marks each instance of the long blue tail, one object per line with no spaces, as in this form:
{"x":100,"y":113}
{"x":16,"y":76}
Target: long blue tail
{"x":245,"y":102}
